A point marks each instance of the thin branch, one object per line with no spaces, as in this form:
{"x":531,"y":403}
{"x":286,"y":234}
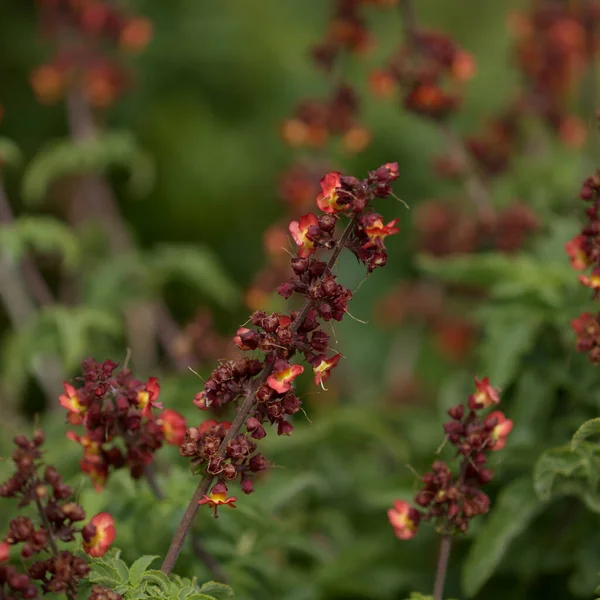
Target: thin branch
{"x":241,"y":417}
{"x":94,"y":193}
{"x":475,"y":186}
{"x":21,"y":310}
{"x":442,"y":567}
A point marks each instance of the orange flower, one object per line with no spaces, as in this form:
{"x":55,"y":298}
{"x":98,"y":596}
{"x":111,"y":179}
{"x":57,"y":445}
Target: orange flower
{"x":217,"y":497}
{"x":299,"y":231}
{"x":322,"y":369}
{"x":501,"y":429}
{"x":592,"y":281}
{"x":48,"y":83}
{"x":148,"y":396}
{"x":70,"y":401}
{"x":485,"y":395}
{"x":327,"y":200}
{"x":377,"y":232}
{"x":136,"y":34}
{"x":99,"y":537}
{"x":282,"y":377}
{"x":173,"y":426}
{"x":463,"y":66}
{"x":404,"y":519}
{"x":382,"y":83}
{"x":210,"y":423}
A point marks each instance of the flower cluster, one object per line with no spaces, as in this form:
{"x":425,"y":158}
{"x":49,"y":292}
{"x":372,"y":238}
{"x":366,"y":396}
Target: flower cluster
{"x":123,"y":420}
{"x":452,"y":500}
{"x":60,"y":520}
{"x":85,"y":30}
{"x":584,"y":252}
{"x":444,"y":229}
{"x":429,"y":69}
{"x":552,"y":52}
{"x":267,"y":384}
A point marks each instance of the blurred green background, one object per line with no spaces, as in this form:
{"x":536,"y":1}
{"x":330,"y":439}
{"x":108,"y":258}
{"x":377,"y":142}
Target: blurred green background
{"x":208,"y":98}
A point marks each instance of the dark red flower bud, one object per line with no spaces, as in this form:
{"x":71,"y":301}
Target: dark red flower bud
{"x":456,"y":412}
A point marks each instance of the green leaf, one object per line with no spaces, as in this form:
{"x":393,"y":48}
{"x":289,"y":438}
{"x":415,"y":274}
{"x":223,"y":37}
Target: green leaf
{"x":43,"y":234}
{"x":156,"y":577}
{"x":515,"y":508}
{"x":509,"y":335}
{"x":199,"y":267}
{"x":137,"y":569}
{"x":9,"y":153}
{"x":220,"y":591}
{"x":589,"y":428}
{"x":93,"y":155}
{"x":554,"y":463}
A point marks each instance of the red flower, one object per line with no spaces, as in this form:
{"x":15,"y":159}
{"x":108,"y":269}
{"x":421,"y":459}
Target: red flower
{"x":377,"y":232}
{"x":574,"y":248}
{"x":4,"y":552}
{"x":322,"y":368}
{"x":102,"y":535}
{"x":404,"y":519}
{"x":485,"y":395}
{"x":299,"y":231}
{"x":70,"y":401}
{"x":148,"y":396}
{"x":283,"y":375}
{"x":217,"y":497}
{"x":327,"y":200}
{"x":200,"y":400}
{"x":501,"y":429}
{"x":173,"y":426}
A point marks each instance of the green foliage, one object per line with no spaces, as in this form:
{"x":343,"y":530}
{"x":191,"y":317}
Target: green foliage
{"x":588,"y":429}
{"x":94,"y":155}
{"x":138,"y":581}
{"x":42,"y":234}
{"x":513,"y":511}
{"x":9,"y":153}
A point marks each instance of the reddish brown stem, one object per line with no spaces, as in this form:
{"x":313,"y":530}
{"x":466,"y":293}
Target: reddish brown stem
{"x":442,"y":567}
{"x":241,"y":417}
{"x":95,"y":198}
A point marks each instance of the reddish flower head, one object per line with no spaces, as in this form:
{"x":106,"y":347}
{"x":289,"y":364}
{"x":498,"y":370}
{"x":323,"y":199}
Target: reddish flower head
{"x":218,"y":497}
{"x":283,"y":375}
{"x":322,"y":368}
{"x":97,"y":539}
{"x":173,"y":426}
{"x":148,"y":397}
{"x":574,"y":249}
{"x":501,"y":430}
{"x":404,"y":519}
{"x":327,"y":200}
{"x":299,"y":231}
{"x":4,"y":552}
{"x":485,"y":395}
{"x":70,"y":401}
{"x":592,"y":281}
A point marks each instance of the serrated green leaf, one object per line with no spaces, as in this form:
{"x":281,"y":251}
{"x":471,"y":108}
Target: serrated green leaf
{"x":197,"y":266}
{"x":92,"y":155}
{"x":554,"y":463}
{"x":153,"y":576}
{"x":515,"y":508}
{"x":138,"y":568}
{"x":220,"y":591}
{"x":43,"y":234}
{"x":588,"y":429}
{"x":121,"y":567}
{"x":104,"y":569}
{"x":197,"y":596}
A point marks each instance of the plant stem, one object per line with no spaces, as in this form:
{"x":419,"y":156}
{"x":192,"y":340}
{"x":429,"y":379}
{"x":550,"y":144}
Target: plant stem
{"x":442,"y":567}
{"x":241,"y":417}
{"x":475,"y":186}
